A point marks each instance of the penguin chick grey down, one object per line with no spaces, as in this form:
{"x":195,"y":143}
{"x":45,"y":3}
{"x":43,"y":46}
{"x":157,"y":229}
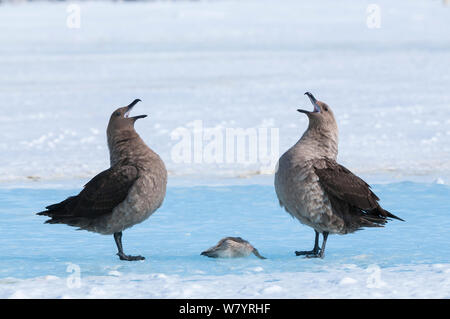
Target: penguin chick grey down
{"x":232,"y":247}
{"x":319,"y":192}
{"x":126,"y":194}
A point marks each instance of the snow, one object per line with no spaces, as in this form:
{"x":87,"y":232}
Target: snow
{"x":226,"y":65}
{"x":230,"y":64}
{"x":394,"y":282}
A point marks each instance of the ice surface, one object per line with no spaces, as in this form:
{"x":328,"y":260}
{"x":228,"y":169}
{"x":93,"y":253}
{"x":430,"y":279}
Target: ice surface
{"x":230,"y":64}
{"x":404,"y":259}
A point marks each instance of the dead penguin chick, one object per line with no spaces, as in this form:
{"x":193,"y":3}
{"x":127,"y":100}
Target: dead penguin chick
{"x":232,"y":247}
